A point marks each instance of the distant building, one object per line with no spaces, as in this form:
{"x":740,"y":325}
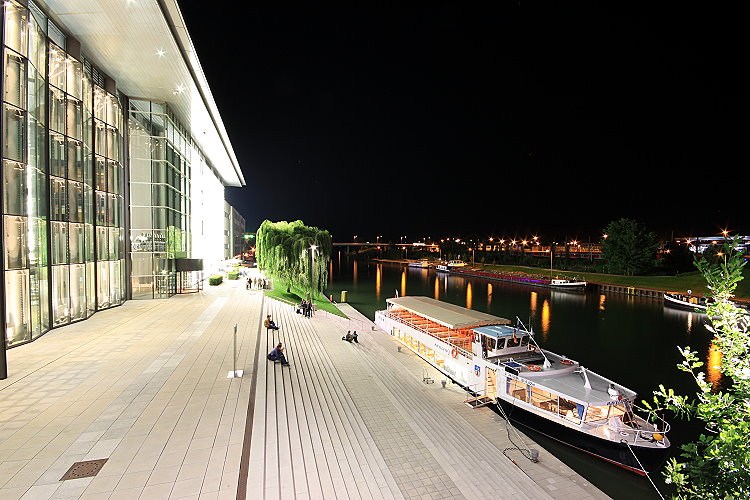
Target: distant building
{"x":234,"y":231}
{"x":700,"y":244}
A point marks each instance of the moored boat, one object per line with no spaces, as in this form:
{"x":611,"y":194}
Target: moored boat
{"x":688,"y":302}
{"x":422,"y":263}
{"x":537,"y":388}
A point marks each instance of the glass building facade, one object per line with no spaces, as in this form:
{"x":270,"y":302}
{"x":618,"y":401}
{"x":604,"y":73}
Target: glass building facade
{"x":97,"y":188}
{"x":160,"y":202}
{"x":62,"y":181}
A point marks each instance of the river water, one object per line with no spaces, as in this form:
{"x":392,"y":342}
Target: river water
{"x":630,"y":340}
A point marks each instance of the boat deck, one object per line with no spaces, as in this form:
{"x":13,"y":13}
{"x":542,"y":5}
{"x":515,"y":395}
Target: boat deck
{"x":461,"y":339}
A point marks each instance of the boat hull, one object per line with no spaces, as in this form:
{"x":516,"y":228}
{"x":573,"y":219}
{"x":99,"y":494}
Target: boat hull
{"x":616,"y":453}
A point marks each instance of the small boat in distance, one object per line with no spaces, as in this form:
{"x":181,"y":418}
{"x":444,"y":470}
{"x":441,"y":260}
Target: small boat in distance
{"x":687,"y":302}
{"x":501,"y":363}
{"x":421,"y":263}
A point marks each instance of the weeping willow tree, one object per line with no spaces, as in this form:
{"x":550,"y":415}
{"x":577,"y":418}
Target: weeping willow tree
{"x":287,"y":250}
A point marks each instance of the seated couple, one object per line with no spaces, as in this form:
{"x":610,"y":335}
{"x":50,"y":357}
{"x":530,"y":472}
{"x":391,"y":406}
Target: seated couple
{"x":350,"y":337}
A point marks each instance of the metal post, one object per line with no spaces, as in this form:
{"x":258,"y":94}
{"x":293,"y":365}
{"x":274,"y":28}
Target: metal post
{"x":235,"y":373}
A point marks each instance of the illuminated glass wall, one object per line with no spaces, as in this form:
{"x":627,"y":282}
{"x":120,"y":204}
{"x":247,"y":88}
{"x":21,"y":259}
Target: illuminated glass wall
{"x":63,"y":234}
{"x":160,"y":198}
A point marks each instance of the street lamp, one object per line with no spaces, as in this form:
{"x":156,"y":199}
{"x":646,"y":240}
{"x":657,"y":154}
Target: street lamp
{"x":312,"y":271}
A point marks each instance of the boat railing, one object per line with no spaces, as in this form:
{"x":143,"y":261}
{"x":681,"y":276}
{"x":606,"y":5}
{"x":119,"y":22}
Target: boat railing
{"x":461,"y":350}
{"x":631,"y":434}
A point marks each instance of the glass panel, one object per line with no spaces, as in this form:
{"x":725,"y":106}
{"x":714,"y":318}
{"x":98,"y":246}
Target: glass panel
{"x":75,"y":160}
{"x":101,"y":208}
{"x":74,"y":72}
{"x":89,"y":243}
{"x":102,"y":238}
{"x":16,"y":247}
{"x":60,"y":295}
{"x":59,"y":243}
{"x":76,"y":202}
{"x":59,"y":201}
{"x":56,"y":66}
{"x":571,"y":411}
{"x":77,"y":292}
{"x":74,"y":118}
{"x":544,"y":400}
{"x":103,"y":285}
{"x":16,"y":26}
{"x":14,"y":133}
{"x":15,"y":79}
{"x":14,"y":188}
{"x":90,"y":288}
{"x":101,"y":174}
{"x":57,"y":110}
{"x":518,"y":390}
{"x":39,"y":300}
{"x":57,"y":155}
{"x":596,"y":413}
{"x":17,"y":318}
{"x":77,"y":244}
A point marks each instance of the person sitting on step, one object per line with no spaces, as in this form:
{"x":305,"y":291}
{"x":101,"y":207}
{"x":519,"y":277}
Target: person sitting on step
{"x":348,"y":337}
{"x":278,"y":355}
{"x":269,"y":324}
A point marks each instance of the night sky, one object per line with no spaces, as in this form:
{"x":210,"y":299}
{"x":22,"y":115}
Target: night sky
{"x":458,"y":120}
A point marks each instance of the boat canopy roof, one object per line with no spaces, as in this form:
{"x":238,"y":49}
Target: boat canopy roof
{"x":449,"y":315}
{"x":498,"y":331}
{"x":571,"y":385}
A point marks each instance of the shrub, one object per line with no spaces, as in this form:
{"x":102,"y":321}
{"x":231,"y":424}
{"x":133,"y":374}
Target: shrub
{"x":234,"y":275}
{"x":215,"y":280}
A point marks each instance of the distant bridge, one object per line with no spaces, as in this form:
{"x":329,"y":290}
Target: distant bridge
{"x":385,"y":244}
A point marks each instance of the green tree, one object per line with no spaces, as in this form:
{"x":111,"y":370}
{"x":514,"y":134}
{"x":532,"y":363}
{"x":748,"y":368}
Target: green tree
{"x":629,"y":247}
{"x":284,"y":249}
{"x":717,"y":466}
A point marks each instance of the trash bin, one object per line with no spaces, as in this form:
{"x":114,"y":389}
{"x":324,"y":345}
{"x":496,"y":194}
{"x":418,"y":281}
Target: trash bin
{"x":344,"y":296}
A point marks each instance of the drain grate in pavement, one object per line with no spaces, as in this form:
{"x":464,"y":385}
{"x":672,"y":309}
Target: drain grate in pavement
{"x":88,"y":468}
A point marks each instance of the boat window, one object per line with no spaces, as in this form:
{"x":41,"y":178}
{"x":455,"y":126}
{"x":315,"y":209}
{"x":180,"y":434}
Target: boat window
{"x":570,"y":411}
{"x":543,"y":399}
{"x":513,"y":342}
{"x":491,"y":344}
{"x":500,"y":343}
{"x":617,"y":410}
{"x":597,"y":413}
{"x":476,"y":337}
{"x":518,"y":390}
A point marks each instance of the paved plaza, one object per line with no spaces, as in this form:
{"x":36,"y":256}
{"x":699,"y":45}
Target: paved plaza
{"x":145,"y":386}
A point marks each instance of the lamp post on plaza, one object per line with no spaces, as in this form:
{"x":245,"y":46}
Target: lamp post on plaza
{"x":312,"y":272}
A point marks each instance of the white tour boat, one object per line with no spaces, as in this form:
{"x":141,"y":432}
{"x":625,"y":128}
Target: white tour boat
{"x":547,"y":392}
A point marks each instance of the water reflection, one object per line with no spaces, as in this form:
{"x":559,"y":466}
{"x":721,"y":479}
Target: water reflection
{"x":602,"y":301}
{"x":545,"y":319}
{"x":532,"y":303}
{"x":378,"y":280}
{"x":403,"y":283}
{"x":354,"y":272}
{"x":468,"y":295}
{"x":437,"y":288}
{"x":489,"y":295}
{"x":690,"y":319}
{"x":713,"y":366}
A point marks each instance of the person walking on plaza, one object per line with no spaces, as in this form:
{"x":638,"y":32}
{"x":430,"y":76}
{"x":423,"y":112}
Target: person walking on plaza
{"x":278,"y":355}
{"x":269,"y":324}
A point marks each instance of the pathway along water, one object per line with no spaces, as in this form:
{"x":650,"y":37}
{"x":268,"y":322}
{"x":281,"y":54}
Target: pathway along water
{"x":628,"y":339}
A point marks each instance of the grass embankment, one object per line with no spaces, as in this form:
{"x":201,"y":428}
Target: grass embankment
{"x":295,"y":297}
{"x":681,"y":283}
